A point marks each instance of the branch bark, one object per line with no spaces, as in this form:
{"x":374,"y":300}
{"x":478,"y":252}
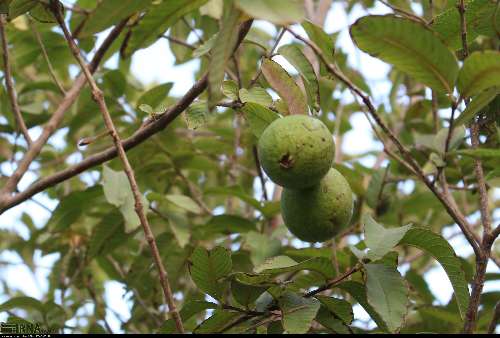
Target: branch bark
{"x":10,"y":85}
{"x":142,"y":134}
{"x":98,"y":96}
{"x":10,"y":186}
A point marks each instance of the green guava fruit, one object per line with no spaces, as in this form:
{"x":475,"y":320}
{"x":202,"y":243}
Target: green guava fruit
{"x":296,"y":151}
{"x":318,"y":213}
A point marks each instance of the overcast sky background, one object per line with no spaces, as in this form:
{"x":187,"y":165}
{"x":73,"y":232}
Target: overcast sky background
{"x":156,"y":65}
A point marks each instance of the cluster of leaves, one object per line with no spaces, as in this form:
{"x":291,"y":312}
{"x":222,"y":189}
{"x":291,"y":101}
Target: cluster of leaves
{"x":230,"y":260}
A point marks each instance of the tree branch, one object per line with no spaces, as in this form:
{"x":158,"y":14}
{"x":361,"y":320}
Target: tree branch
{"x":452,"y":211}
{"x":148,"y":129}
{"x":98,"y":96}
{"x":10,"y":85}
{"x":46,"y":57}
{"x":5,"y":193}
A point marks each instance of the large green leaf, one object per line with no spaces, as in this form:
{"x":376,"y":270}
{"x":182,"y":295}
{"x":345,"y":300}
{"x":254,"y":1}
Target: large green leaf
{"x":118,"y":193}
{"x":208,"y":267}
{"x":339,"y":307}
{"x":386,"y":291}
{"x":358,"y":292}
{"x":296,"y":57}
{"x":221,"y":52}
{"x":72,"y":207}
{"x":280,"y":12}
{"x":258,"y":117}
{"x":158,"y":18}
{"x":256,"y":95}
{"x":156,"y":95}
{"x":282,"y":264}
{"x":381,"y":240}
{"x":478,"y":102}
{"x":442,"y":251}
{"x":285,"y":85}
{"x":19,"y":7}
{"x":108,"y":13}
{"x":479,"y":17}
{"x":317,"y":35}
{"x":410,"y":47}
{"x":480,"y":153}
{"x":184,"y":202}
{"x":297,"y":312}
{"x":481,"y":70}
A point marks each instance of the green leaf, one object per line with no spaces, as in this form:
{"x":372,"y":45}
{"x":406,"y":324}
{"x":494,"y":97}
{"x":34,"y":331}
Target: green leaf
{"x":286,"y":87}
{"x":478,"y":102}
{"x":104,"y":232}
{"x":358,"y":292}
{"x":23,"y":302}
{"x":110,"y":12}
{"x":386,"y":291}
{"x":258,"y":117}
{"x":196,"y":115}
{"x":158,"y":18}
{"x":278,"y":262}
{"x":297,"y":312}
{"x":457,"y":137}
{"x":282,"y":264}
{"x":155,"y":96}
{"x":229,"y":224}
{"x":381,"y":240}
{"x":279,"y":12}
{"x":221,"y":52}
{"x":72,"y":207}
{"x":19,"y":7}
{"x":208,"y":267}
{"x":378,"y":193}
{"x":256,"y":95}
{"x":330,"y":321}
{"x":205,"y":47}
{"x":118,"y":193}
{"x":483,"y":153}
{"x":442,"y":251}
{"x":317,"y":35}
{"x":296,"y":57}
{"x":246,"y":294}
{"x":410,"y":47}
{"x":219,"y":320}
{"x":479,"y":15}
{"x":230,"y":89}
{"x":184,"y":202}
{"x":481,"y":71}
{"x":339,"y":307}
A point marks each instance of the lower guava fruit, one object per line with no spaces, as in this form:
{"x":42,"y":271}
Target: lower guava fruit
{"x":296,"y":151}
{"x":318,"y":213}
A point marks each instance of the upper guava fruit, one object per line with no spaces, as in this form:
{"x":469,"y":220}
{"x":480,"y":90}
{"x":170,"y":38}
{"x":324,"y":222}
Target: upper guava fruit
{"x":318,"y":213}
{"x":296,"y":151}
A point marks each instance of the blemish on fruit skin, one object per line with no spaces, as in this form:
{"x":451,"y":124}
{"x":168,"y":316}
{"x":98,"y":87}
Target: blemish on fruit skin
{"x":286,"y":161}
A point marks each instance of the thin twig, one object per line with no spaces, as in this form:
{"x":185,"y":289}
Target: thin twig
{"x":98,"y":96}
{"x":46,"y":57}
{"x":404,"y":13}
{"x":259,"y":172}
{"x":278,"y":39}
{"x":333,"y":282}
{"x":10,"y":85}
